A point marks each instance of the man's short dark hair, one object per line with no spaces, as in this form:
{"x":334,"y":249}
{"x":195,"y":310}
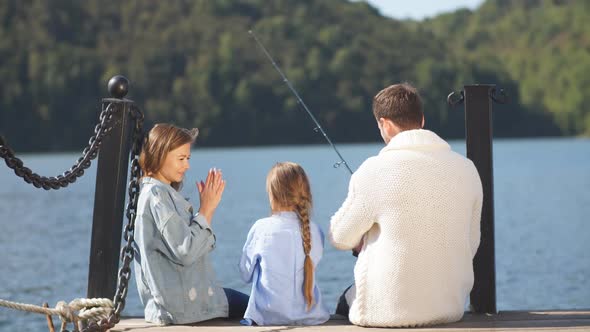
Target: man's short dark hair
{"x":401,"y":104}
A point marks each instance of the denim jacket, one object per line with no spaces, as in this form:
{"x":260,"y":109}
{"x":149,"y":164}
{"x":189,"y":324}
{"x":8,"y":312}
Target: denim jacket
{"x":175,"y":279}
{"x":272,"y":260}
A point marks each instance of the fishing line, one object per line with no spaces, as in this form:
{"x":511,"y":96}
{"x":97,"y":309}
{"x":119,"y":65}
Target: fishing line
{"x":318,"y":127}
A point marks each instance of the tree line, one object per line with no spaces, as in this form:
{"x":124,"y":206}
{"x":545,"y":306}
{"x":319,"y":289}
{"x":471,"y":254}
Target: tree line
{"x":194,"y":64}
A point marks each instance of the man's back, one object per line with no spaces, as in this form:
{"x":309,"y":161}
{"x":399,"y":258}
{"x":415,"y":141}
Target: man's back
{"x":419,"y":204}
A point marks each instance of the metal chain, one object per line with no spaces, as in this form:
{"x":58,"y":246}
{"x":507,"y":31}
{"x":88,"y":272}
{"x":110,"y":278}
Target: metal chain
{"x":127,"y":252}
{"x":76,"y":171}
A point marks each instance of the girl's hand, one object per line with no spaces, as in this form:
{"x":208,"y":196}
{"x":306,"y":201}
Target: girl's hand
{"x":210,"y":193}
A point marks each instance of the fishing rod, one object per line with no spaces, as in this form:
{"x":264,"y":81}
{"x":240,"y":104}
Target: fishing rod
{"x":318,"y":127}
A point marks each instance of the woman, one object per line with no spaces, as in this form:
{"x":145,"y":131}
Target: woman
{"x":175,"y":278}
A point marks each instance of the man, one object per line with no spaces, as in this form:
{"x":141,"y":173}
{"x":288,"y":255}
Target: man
{"x":414,"y":210}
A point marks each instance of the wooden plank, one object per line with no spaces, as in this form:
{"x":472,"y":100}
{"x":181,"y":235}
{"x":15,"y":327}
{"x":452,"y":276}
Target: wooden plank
{"x":578,"y":320}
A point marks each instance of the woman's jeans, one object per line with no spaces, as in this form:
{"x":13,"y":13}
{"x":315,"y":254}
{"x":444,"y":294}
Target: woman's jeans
{"x":237,"y":303}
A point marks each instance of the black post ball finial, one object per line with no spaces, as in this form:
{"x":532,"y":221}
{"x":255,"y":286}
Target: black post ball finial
{"x":118,"y":86}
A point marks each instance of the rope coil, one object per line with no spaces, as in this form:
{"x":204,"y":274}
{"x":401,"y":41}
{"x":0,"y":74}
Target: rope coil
{"x":88,"y":309}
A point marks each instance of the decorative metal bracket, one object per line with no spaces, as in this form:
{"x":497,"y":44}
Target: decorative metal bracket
{"x":454,"y":99}
{"x":500,"y":98}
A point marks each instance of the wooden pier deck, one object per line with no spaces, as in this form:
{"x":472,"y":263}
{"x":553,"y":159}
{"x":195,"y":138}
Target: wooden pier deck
{"x":578,"y":320}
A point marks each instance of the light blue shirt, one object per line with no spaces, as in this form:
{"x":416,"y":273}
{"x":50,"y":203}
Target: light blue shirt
{"x":175,"y":279}
{"x":272,"y":259}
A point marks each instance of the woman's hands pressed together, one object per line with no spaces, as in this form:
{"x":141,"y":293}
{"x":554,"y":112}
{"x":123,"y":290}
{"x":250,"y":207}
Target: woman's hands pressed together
{"x":210,"y":193}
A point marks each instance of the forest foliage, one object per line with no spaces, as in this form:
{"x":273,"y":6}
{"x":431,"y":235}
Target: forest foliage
{"x":193,"y":63}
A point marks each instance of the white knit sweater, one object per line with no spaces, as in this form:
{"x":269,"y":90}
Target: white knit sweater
{"x":418,"y":207}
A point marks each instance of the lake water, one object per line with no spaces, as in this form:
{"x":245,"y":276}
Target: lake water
{"x":542,"y":206}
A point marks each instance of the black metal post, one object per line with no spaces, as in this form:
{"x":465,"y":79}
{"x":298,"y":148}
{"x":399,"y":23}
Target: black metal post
{"x":110,"y":193}
{"x":478,"y":126}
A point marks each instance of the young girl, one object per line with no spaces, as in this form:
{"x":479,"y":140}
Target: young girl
{"x":175,"y":278}
{"x":281,"y":253}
